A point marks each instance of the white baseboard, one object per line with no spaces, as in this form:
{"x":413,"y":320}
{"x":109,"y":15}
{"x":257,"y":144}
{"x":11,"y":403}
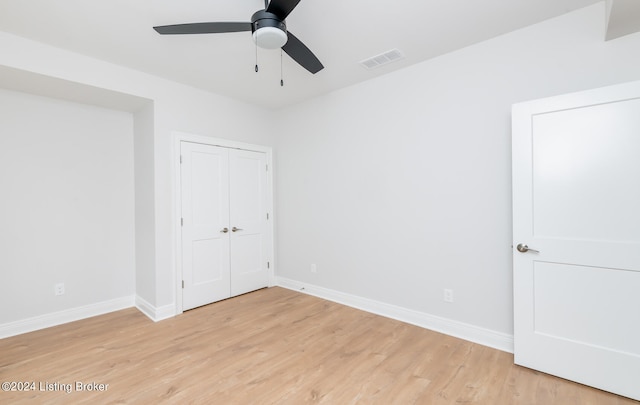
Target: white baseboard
{"x":472,"y":333}
{"x":486,"y":337}
{"x":155,"y":313}
{"x":61,"y":317}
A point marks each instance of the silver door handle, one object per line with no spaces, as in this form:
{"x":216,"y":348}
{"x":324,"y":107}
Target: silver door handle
{"x":224,"y":230}
{"x":234,"y":229}
{"x":522,"y":248}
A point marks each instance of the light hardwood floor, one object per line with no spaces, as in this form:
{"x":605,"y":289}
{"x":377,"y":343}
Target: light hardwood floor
{"x":273,"y":346}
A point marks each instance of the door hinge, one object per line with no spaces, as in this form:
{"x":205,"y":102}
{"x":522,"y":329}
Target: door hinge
{"x":180,"y":159}
{"x":267,"y":167}
{"x":268,"y":265}
{"x":181,"y":221}
{"x":182,"y":283}
{"x":267,"y":216}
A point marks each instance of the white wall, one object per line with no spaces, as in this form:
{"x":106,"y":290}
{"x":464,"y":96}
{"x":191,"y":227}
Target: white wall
{"x":170,"y":107}
{"x":66,"y":210}
{"x":399,"y":187}
{"x":145,"y":214}
{"x":396,"y":188}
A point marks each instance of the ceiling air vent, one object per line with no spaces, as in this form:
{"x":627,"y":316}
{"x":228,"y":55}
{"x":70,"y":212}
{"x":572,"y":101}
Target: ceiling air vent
{"x":382,"y":59}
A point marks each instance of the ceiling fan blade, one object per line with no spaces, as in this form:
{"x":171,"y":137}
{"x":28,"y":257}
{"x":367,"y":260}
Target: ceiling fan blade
{"x":301,"y":54}
{"x":282,"y":8}
{"x":203,"y":28}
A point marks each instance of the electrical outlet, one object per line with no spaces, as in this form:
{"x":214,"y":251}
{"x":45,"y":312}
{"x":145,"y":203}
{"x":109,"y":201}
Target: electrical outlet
{"x":59,"y":289}
{"x":448,"y":295}
{"x":314,"y":268}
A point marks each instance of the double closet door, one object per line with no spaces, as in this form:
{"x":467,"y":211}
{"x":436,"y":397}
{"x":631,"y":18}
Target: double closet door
{"x":223,"y":224}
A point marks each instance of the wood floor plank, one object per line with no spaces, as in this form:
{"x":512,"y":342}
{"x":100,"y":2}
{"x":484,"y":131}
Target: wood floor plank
{"x":273,"y":346}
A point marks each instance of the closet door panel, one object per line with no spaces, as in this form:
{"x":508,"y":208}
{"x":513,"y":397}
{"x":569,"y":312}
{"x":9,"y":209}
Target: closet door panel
{"x":248,"y":220}
{"x":205,"y":214}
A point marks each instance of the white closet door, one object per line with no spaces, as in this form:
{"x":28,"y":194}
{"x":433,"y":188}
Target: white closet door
{"x":248,"y":201}
{"x":576,"y":185}
{"x":205,"y":216}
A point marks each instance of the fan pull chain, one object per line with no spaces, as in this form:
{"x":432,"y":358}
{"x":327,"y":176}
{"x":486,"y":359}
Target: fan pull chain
{"x":256,"y":57}
{"x":281,"y":75}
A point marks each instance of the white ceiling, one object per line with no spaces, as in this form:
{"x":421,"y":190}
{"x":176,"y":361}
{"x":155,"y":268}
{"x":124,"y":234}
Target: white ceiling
{"x":340,"y":32}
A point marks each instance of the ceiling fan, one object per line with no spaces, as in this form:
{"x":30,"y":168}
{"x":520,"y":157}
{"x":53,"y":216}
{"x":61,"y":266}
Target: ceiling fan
{"x":268,"y":28}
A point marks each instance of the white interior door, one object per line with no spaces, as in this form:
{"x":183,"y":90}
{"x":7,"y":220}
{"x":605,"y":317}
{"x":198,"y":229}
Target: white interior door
{"x":224,"y":199}
{"x":576,"y":196}
{"x":204,"y":179}
{"x":248,"y":201}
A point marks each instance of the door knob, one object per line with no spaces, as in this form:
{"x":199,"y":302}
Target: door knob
{"x":224,"y":230}
{"x":234,"y":229}
{"x":522,"y":248}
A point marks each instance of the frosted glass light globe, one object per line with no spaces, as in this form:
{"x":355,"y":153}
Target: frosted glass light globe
{"x":270,"y":37}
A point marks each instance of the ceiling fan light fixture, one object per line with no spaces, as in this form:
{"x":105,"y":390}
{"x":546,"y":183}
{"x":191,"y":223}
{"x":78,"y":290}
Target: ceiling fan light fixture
{"x":267,"y":27}
{"x":270,"y":37}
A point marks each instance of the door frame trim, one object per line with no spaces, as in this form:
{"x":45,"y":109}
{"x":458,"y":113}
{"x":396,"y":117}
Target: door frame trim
{"x":179,"y":137}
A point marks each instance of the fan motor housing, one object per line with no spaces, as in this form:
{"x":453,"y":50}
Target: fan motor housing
{"x":262,"y":18}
